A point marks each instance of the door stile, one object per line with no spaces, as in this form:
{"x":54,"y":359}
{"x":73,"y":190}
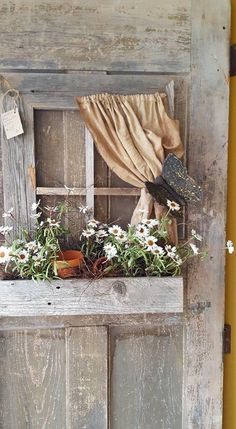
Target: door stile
{"x":207,"y":161}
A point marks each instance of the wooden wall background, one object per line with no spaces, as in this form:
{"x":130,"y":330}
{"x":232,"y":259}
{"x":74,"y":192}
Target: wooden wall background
{"x":52,"y":51}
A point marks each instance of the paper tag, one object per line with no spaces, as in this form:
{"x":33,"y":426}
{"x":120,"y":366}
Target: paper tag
{"x":12,"y":123}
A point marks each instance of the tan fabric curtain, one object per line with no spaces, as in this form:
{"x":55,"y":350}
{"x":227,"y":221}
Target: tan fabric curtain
{"x":133,"y":134}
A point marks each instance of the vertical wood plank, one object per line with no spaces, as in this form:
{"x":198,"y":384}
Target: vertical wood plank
{"x":32,"y":379}
{"x":74,"y":170}
{"x":19,"y":167}
{"x":207,"y":158}
{"x":146,"y":378}
{"x":170,"y":92}
{"x":89,"y":150}
{"x":86,"y":378}
{"x":101,"y":172}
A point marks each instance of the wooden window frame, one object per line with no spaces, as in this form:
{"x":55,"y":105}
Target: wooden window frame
{"x":43,"y":91}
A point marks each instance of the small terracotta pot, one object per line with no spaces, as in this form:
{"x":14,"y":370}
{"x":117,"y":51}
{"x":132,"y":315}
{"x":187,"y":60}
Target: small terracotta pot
{"x":68,"y":263}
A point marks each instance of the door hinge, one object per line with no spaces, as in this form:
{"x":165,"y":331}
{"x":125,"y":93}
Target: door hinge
{"x":233,"y":60}
{"x":227,"y":339}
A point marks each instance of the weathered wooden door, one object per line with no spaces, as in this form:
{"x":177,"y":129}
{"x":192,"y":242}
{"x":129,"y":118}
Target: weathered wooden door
{"x":123,"y":354}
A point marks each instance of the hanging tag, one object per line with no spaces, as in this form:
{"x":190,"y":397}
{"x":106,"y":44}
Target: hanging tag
{"x":12,"y":124}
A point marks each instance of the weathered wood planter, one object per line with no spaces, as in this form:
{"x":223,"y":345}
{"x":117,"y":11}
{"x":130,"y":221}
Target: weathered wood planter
{"x":91,"y":297}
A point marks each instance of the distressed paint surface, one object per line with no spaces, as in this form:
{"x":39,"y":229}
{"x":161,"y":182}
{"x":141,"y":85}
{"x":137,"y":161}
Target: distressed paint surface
{"x":146,"y":378}
{"x":125,"y":46}
{"x":18,"y":167}
{"x":95,"y":35}
{"x":32,"y":379}
{"x":207,"y":160}
{"x":87,"y":297}
{"x":87,"y":377}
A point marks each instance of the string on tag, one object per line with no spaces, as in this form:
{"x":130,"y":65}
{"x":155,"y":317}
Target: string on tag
{"x":16,"y":98}
{"x":10,"y":118}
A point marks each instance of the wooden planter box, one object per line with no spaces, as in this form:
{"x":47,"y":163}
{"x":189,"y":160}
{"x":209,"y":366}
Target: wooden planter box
{"x":91,"y":297}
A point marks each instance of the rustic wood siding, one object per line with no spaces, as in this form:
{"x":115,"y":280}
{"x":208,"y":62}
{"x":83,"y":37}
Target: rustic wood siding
{"x":95,"y":35}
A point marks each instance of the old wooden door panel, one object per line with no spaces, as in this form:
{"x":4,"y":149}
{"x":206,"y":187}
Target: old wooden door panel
{"x":32,"y":375}
{"x":53,"y":379}
{"x":95,"y":35}
{"x":146,"y":367}
{"x":58,"y":378}
{"x":87,"y":378}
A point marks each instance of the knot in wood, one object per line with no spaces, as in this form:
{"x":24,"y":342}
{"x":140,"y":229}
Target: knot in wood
{"x":119,"y":287}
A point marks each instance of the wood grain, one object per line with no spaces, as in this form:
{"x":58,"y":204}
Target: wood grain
{"x":146,"y":377}
{"x":89,"y":170}
{"x":207,"y":161}
{"x":91,"y":297}
{"x":65,"y":321}
{"x":32,"y":379}
{"x":18,"y":169}
{"x":87,"y":377}
{"x":90,"y":35}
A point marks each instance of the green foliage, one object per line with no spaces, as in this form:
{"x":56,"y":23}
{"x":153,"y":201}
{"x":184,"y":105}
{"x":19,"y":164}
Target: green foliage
{"x":34,"y":254}
{"x":141,"y":250}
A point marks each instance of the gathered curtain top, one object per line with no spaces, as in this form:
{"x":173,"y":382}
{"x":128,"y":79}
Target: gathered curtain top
{"x":108,"y":98}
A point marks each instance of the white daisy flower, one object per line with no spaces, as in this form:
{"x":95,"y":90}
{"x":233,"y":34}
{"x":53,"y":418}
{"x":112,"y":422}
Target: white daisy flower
{"x":110,"y":251}
{"x":230,"y":246}
{"x":178,"y":260}
{"x":4,"y":254}
{"x":53,"y":222}
{"x":194,"y":248}
{"x":23,"y":255}
{"x":122,"y":237}
{"x":83,"y":209}
{"x":150,"y":242}
{"x":173,"y":206}
{"x":115,"y":230}
{"x":31,"y":245}
{"x":37,"y":257}
{"x":35,"y":206}
{"x":92,"y":223}
{"x":36,"y":215}
{"x":170,"y":251}
{"x":101,"y":233}
{"x":37,"y":261}
{"x":88,"y":232}
{"x":5,"y":229}
{"x":195,"y":235}
{"x":51,"y":209}
{"x":157,"y":250}
{"x":8,"y":213}
{"x":142,"y":230}
{"x":150,"y":222}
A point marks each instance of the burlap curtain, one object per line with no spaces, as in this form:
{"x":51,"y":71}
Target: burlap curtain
{"x":133,"y":134}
